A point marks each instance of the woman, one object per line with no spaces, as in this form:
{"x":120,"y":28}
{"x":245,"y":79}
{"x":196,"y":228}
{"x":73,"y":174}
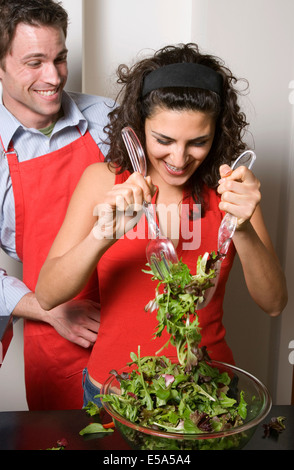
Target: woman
{"x":183,"y":106}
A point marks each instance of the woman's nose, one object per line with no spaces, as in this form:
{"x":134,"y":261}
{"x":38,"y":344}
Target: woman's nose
{"x":178,"y":156}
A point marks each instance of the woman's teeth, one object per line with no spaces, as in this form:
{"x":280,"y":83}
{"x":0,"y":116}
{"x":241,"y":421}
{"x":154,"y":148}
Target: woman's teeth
{"x":173,"y":168}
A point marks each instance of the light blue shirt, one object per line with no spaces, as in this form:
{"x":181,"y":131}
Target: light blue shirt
{"x":86,"y":112}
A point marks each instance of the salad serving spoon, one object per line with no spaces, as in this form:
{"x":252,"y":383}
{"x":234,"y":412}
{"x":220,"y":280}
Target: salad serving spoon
{"x":160,"y":251}
{"x":226,"y":229}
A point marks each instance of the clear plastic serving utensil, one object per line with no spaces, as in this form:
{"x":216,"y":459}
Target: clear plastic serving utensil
{"x":227,"y":229}
{"x":160,"y":251}
{"x":229,"y":223}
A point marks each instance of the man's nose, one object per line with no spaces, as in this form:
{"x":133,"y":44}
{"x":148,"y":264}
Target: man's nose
{"x":51,"y":74}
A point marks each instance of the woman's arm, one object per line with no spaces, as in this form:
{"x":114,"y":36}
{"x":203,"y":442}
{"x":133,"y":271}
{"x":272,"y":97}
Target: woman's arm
{"x":94,"y":221}
{"x":263,"y":274}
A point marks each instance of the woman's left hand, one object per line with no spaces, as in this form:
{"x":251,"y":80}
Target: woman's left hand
{"x":240,"y":193}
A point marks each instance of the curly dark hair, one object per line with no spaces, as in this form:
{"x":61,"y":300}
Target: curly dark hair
{"x":32,"y":12}
{"x":133,"y":110}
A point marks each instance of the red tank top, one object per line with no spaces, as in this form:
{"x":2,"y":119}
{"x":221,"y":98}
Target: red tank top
{"x":125,"y":290}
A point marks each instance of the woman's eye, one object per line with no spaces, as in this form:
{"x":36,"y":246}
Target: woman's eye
{"x":202,"y":143}
{"x":163,"y":142}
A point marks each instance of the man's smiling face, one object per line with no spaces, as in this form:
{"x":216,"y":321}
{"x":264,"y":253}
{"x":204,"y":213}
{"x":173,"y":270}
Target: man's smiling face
{"x":34,"y":74}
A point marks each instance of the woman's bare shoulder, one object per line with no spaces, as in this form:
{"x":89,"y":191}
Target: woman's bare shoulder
{"x":99,"y":170}
{"x":98,"y":175}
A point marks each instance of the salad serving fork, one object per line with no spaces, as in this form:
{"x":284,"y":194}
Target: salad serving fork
{"x":160,"y":251}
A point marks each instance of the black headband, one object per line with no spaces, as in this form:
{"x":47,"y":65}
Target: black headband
{"x":186,"y":74}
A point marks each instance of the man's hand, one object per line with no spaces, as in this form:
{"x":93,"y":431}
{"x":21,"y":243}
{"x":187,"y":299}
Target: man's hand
{"x":77,"y":321}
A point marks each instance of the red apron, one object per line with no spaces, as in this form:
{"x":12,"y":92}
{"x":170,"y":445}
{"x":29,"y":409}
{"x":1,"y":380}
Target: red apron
{"x":42,"y":190}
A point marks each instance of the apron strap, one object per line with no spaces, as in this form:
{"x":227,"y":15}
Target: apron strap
{"x":18,"y":201}
{"x":13,"y":164}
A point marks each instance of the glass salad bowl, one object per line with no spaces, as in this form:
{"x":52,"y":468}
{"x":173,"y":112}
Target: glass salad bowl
{"x":142,"y":437}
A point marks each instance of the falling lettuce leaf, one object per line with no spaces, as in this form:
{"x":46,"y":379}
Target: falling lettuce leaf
{"x":176,"y":297}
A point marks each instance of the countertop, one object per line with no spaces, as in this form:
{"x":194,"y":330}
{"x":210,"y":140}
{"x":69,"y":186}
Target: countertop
{"x":40,"y":430}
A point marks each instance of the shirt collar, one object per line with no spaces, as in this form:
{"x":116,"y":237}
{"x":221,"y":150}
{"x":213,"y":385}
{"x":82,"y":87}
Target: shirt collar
{"x":72,"y":116}
{"x":8,"y":125}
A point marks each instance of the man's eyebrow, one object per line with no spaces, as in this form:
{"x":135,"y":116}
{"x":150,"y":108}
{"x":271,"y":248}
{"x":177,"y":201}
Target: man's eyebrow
{"x":35,"y":55}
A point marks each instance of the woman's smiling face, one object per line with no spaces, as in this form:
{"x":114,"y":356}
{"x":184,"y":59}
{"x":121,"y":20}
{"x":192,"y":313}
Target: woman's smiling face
{"x":177,"y":142}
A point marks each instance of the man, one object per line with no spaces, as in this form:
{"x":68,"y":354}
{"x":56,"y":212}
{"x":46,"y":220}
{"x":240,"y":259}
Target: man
{"x":47,"y":138}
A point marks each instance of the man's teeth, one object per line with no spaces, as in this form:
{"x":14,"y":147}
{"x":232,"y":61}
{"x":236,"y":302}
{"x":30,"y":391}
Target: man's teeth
{"x":47,"y":93}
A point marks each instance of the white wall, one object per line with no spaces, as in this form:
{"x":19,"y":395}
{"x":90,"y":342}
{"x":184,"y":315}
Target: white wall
{"x":256,"y":39}
{"x":121,"y":31}
{"x":12,"y":389}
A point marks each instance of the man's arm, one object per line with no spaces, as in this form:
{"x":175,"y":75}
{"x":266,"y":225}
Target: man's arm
{"x":12,"y":290}
{"x":77,"y":321}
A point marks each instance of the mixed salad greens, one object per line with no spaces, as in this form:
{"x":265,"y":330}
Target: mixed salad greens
{"x":176,"y":298}
{"x":161,"y":395}
{"x":188,"y":396}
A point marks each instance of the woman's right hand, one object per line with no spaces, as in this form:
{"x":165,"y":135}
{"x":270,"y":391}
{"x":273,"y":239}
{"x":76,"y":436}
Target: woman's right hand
{"x":84,"y":237}
{"x":122,"y":207}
